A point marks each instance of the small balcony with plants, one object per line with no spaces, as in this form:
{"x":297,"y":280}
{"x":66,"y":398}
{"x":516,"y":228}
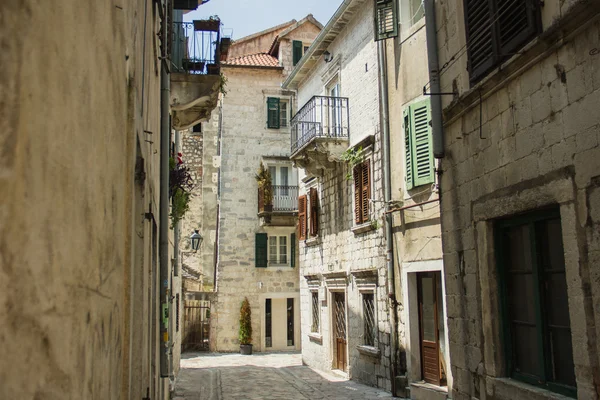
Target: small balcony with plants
{"x":320,"y":132}
{"x":277,"y":204}
{"x":197,"y":50}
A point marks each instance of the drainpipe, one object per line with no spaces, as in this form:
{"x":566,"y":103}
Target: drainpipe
{"x":387,"y":196}
{"x":165,"y":138}
{"x":434,"y":79}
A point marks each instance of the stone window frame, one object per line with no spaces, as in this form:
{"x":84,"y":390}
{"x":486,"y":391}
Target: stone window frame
{"x":555,"y":189}
{"x":366,"y":283}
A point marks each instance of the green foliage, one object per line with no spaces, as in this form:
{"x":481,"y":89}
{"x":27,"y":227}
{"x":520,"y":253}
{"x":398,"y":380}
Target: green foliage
{"x":245,"y":334}
{"x":352,"y":157}
{"x":263,"y":177}
{"x":180,"y":204}
{"x":223,"y":85}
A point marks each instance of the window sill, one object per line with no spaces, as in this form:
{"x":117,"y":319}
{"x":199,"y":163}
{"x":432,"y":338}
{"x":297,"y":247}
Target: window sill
{"x":369,"y":351}
{"x":527,"y":390}
{"x":362,"y":228}
{"x":313,"y":241}
{"x":315,"y":338}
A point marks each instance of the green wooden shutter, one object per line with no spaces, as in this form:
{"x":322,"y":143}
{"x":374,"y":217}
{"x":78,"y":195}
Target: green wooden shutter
{"x":296,"y":51}
{"x":273,"y":113}
{"x":261,"y":250}
{"x":408,"y":172}
{"x":386,"y":19}
{"x":293,"y":250}
{"x":422,"y":152}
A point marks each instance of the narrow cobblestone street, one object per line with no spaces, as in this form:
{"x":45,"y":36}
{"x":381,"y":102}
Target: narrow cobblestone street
{"x":262,"y":376}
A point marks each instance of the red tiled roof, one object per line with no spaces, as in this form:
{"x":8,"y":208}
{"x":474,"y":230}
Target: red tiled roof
{"x":254,"y":60}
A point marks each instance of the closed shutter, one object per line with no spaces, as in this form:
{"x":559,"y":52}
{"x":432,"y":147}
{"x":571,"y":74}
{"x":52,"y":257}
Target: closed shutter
{"x":480,"y":37}
{"x":408,"y":150}
{"x":422,"y":151}
{"x":386,"y":19}
{"x":261,"y":250}
{"x":293,"y":250}
{"x":273,"y":113}
{"x":302,"y":217}
{"x":365,"y":191}
{"x":357,"y":194}
{"x":314,"y":212}
{"x":296,"y":51}
{"x":517,"y":24}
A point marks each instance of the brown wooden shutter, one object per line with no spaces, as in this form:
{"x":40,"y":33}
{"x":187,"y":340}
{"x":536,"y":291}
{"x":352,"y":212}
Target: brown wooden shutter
{"x":357,"y":194}
{"x":302,"y":217}
{"x":365,"y":191}
{"x":314,"y":212}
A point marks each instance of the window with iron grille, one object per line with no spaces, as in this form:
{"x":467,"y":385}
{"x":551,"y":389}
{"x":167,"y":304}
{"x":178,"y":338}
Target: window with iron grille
{"x":386,"y":19}
{"x":369,"y":318}
{"x":177,"y":312}
{"x":496,"y":30}
{"x":314,"y":328}
{"x":362,"y":192}
{"x":534,"y":299}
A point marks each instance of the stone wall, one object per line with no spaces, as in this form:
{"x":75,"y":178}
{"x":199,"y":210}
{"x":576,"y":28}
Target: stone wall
{"x":535,"y":145}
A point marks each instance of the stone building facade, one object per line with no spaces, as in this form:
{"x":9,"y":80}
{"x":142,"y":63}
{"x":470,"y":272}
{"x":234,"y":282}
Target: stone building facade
{"x":343,"y":279}
{"x":521,"y":198}
{"x":256,"y":250}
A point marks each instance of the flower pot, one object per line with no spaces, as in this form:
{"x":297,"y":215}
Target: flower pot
{"x":246,"y":349}
{"x":268,"y":208}
{"x":206,"y":25}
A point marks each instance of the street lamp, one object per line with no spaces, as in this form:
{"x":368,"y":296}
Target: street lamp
{"x":196,"y":240}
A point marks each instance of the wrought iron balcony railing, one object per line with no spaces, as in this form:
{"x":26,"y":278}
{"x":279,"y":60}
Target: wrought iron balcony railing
{"x":197,"y":47}
{"x":285,"y":199}
{"x":320,"y":117}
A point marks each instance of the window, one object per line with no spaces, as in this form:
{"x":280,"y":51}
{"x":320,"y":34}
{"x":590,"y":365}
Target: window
{"x":533,"y":292}
{"x":386,"y":19}
{"x":314,"y":328}
{"x":411,"y":12}
{"x":290,"y":322}
{"x":278,"y":250}
{"x":302,"y":217}
{"x":496,"y":30}
{"x":297,"y":48}
{"x":362,"y":192}
{"x":314,"y":211}
{"x":418,"y":145}
{"x":177,"y":312}
{"x":369,"y":318}
{"x":268,"y":324}
{"x":275,"y":250}
{"x":277,"y":113}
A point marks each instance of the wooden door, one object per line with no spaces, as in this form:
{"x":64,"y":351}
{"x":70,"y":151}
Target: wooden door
{"x":339,"y":301}
{"x":428,"y":326}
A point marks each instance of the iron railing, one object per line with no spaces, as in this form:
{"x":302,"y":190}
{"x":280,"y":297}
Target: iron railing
{"x":285,"y":198}
{"x":197,"y":47}
{"x":322,"y":117}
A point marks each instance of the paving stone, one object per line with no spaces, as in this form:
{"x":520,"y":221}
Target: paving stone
{"x":265,"y":376}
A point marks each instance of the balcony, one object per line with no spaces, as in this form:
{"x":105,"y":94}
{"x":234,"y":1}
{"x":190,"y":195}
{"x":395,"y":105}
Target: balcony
{"x":196,"y":54}
{"x":320,"y":132}
{"x":283,"y":207}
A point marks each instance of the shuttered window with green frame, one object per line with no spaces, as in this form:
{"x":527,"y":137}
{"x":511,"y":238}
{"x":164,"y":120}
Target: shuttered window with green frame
{"x":297,"y":49}
{"x":419,"y":162}
{"x":386,"y":19}
{"x":261,"y":254}
{"x":273,"y":109}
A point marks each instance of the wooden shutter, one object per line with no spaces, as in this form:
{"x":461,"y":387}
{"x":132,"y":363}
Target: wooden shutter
{"x":273,"y":112}
{"x":365,"y":195}
{"x":302,"y":217}
{"x":357,"y":194}
{"x":517,"y":24}
{"x":422,"y":152}
{"x":480,"y":37}
{"x":314,"y":212}
{"x":296,"y":51}
{"x":293,"y":250}
{"x":386,"y":19}
{"x":261,"y":250}
{"x":408,"y":150}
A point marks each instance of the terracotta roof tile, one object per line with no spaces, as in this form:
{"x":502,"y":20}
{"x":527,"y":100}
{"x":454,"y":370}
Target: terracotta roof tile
{"x":254,"y":60}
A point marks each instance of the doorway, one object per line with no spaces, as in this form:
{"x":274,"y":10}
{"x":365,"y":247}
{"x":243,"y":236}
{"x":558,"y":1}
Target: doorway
{"x":339,"y":318}
{"x":432,"y":370}
{"x":280,"y":318}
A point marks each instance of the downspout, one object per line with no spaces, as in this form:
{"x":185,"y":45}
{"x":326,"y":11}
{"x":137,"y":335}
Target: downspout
{"x":387,"y":196}
{"x":176,"y":230}
{"x":165,"y":137}
{"x":434,"y":79}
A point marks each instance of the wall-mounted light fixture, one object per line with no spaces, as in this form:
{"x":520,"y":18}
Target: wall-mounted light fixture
{"x":196,"y":240}
{"x":327,"y":56}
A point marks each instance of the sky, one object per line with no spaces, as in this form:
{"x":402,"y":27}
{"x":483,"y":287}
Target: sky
{"x":245,"y":17}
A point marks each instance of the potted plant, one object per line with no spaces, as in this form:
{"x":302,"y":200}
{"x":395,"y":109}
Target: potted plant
{"x":213,"y":23}
{"x":265,"y":187}
{"x":245,"y":334}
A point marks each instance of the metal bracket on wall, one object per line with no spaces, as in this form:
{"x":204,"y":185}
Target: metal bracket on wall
{"x":149,"y":215}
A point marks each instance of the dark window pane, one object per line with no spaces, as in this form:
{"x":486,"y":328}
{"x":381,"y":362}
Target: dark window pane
{"x":519,"y":248}
{"x":521,"y":297}
{"x":290,"y":322}
{"x":268,"y":337}
{"x":526,"y":357}
{"x":369,"y":319}
{"x":563,"y":369}
{"x":315,"y":312}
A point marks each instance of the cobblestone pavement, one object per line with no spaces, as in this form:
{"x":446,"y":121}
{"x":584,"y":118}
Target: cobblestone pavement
{"x":275,"y":376}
